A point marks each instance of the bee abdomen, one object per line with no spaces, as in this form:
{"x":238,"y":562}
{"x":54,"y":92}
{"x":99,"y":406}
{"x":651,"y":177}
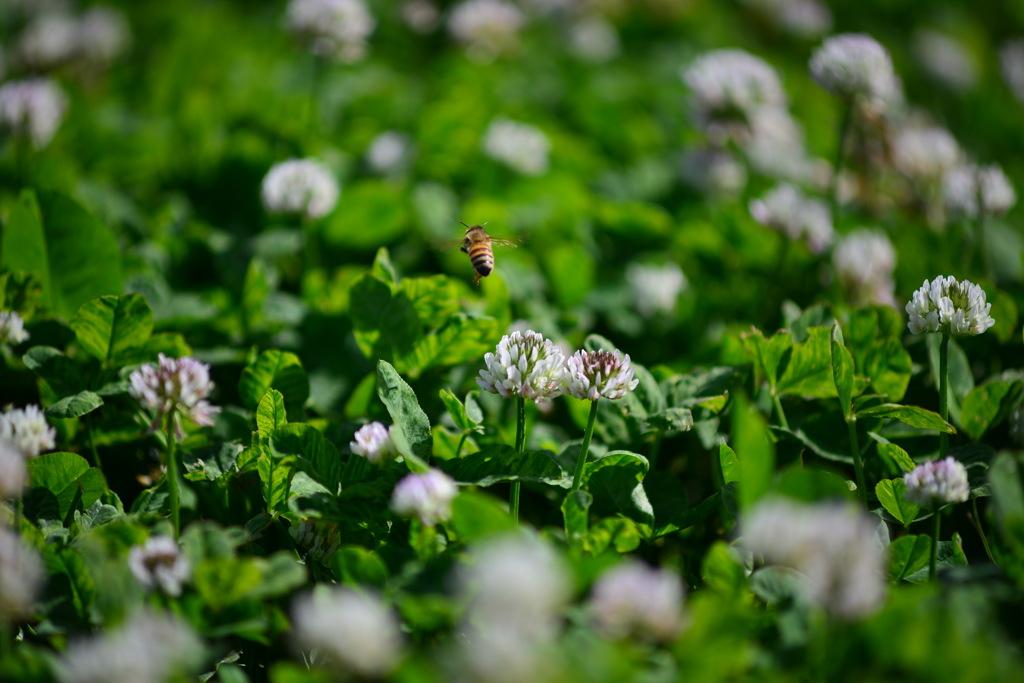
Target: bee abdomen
{"x":482,"y":258}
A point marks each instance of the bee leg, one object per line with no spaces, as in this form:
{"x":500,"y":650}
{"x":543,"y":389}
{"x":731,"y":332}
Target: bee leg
{"x":476,"y":280}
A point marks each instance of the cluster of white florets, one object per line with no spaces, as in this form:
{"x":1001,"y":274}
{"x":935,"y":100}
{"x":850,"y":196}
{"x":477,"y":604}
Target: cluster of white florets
{"x":426,"y":495}
{"x":856,"y":67}
{"x":52,"y":39}
{"x":633,"y":599}
{"x":864,"y":262}
{"x":374,"y":442}
{"x":655,"y":287}
{"x":333,"y":29}
{"x":520,"y":146}
{"x":968,"y":189}
{"x":949,"y":306}
{"x":302,"y":187}
{"x":27,"y":430}
{"x":32,"y":109}
{"x":159,"y":563}
{"x":795,"y":215}
{"x":937,"y":483}
{"x":175,"y":386}
{"x":488,"y":28}
{"x":12,"y":328}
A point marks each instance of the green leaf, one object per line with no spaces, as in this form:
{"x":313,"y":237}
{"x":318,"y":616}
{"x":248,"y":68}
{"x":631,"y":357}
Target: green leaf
{"x":282,"y":574}
{"x":499,"y":463}
{"x":405,"y":410}
{"x":911,"y":415}
{"x":476,"y":515}
{"x":576,"y":514}
{"x":892,"y":496}
{"x":961,"y":377}
{"x":1006,"y":480}
{"x":51,"y":365}
{"x":275,"y":478}
{"x":457,"y":411}
{"x":357,"y":566}
{"x":777,"y":585}
{"x":75,"y":257}
{"x":109,"y":326}
{"x":76,"y":405}
{"x":271,"y":413}
{"x":281,"y":370}
{"x":373,"y":212}
{"x":722,"y":572}
{"x":889,"y":367}
{"x":69,"y":477}
{"x":810,"y":485}
{"x":908,"y":555}
{"x":842,"y":370}
{"x":460,"y":340}
{"x":753,"y":446}
{"x":225,"y":581}
{"x":435,"y":299}
{"x":695,"y":514}
{"x":729,"y":462}
{"x":898,"y":456}
{"x":806,"y":369}
{"x":310,"y":451}
{"x":988,"y":405}
{"x":616,"y":481}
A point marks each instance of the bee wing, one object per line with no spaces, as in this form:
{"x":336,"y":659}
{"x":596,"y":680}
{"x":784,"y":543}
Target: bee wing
{"x":449,"y":244}
{"x":495,"y":242}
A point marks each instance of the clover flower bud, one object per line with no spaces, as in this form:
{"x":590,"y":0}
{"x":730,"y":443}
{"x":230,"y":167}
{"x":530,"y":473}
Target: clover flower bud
{"x":632,"y":599}
{"x":12,"y":328}
{"x":524,"y":364}
{"x":426,"y":495}
{"x":32,"y":109}
{"x":595,"y":374}
{"x":300,"y":187}
{"x":319,"y":538}
{"x":655,"y":288}
{"x":936,"y":483}
{"x":373,"y":441}
{"x":175,"y":386}
{"x":788,"y":211}
{"x":159,"y":563}
{"x":27,"y":430}
{"x":864,"y":262}
{"x":946,"y":305}
{"x":21,"y":576}
{"x":488,"y":28}
{"x":355,"y":630}
{"x":519,"y":146}
{"x":964,"y":185}
{"x":333,"y":29}
{"x":855,"y":66}
{"x":1011,"y":65}
{"x":13,"y":473}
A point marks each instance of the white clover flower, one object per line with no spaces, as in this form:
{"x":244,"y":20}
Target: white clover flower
{"x":300,"y":186}
{"x":488,"y":28}
{"x":426,"y":495}
{"x":374,"y":442}
{"x":159,"y":563}
{"x":633,"y":599}
{"x":951,"y":307}
{"x":594,"y":39}
{"x":175,"y":385}
{"x":21,"y":576}
{"x":833,"y":545}
{"x":775,"y":147}
{"x":945,"y":59}
{"x":357,"y":630}
{"x":103,"y":34}
{"x":13,"y":473}
{"x":507,"y":650}
{"x":334,"y":29}
{"x":388,"y":152}
{"x":962,"y":185}
{"x":937,"y":483}
{"x":864,"y":262}
{"x":594,"y":374}
{"x":1011,"y":64}
{"x":655,"y":287}
{"x":524,"y":364}
{"x":855,"y":66}
{"x":422,"y":16}
{"x":148,"y":648}
{"x":319,"y":538}
{"x":800,"y":18}
{"x":27,"y":430}
{"x":32,"y":109}
{"x":925,"y":153}
{"x":788,"y":211}
{"x":713,"y":172}
{"x":12,"y":328}
{"x":48,"y":41}
{"x":519,"y":146}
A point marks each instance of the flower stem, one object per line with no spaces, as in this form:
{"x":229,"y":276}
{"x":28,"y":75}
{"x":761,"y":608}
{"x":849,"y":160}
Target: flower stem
{"x":779,"y":412}
{"x":944,"y":393}
{"x":934,"y":557}
{"x":172,"y":475}
{"x":844,"y":128}
{"x":513,"y":502}
{"x":458,"y":449}
{"x":858,"y":462}
{"x":976,"y":518}
{"x":92,"y":442}
{"x":577,"y":479}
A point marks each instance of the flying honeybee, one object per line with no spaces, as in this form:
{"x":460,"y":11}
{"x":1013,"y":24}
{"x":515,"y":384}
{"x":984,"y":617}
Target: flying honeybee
{"x":478,"y":244}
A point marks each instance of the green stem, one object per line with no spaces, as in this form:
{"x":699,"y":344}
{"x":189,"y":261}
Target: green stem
{"x":513,"y":502}
{"x":858,"y":462}
{"x":934,"y":557}
{"x":577,"y":479}
{"x":779,"y":412}
{"x":944,"y":392}
{"x":981,"y":531}
{"x":458,"y":449}
{"x":92,"y":442}
{"x":844,"y":128}
{"x":172,"y":475}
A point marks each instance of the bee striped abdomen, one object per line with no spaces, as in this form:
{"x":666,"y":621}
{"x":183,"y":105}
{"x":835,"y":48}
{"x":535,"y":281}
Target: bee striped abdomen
{"x":482,"y":258}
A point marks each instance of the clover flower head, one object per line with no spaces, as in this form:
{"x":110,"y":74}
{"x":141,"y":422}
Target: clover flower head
{"x":333,"y":29}
{"x":388,"y":152}
{"x":856,"y":67}
{"x":12,"y":328}
{"x":946,"y":305}
{"x":103,"y":34}
{"x":422,"y":16}
{"x":426,"y":495}
{"x":633,"y":599}
{"x":594,"y":39}
{"x":520,"y":146}
{"x":319,"y":538}
{"x":21,"y":576}
{"x":594,"y":374}
{"x":1011,"y":65}
{"x":713,"y":171}
{"x":834,"y":546}
{"x":864,"y":262}
{"x":788,"y":211}
{"x":374,"y":442}
{"x":925,"y":153}
{"x":800,"y":18}
{"x":175,"y":385}
{"x":945,"y":59}
{"x":13,"y":473}
{"x":300,"y":187}
{"x":48,"y":41}
{"x":937,"y":483}
{"x":964,"y":185}
{"x":488,"y":28}
{"x":356,"y":630}
{"x":159,"y":563}
{"x":774,"y":147}
{"x":524,"y":364}
{"x":27,"y":430}
{"x":655,"y":287}
{"x":32,"y":109}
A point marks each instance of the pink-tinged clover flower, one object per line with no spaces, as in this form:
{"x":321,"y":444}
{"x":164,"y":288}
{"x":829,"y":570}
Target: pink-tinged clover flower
{"x":159,"y":563}
{"x":633,"y":599}
{"x":937,"y":483}
{"x":426,"y":495}
{"x":595,"y":374}
{"x":175,"y":386}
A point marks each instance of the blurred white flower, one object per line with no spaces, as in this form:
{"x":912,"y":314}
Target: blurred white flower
{"x":373,"y":441}
{"x":962,"y":185}
{"x":800,"y":18}
{"x":422,"y":16}
{"x":655,"y":287}
{"x":300,"y":187}
{"x":103,"y":34}
{"x":633,"y":599}
{"x":594,"y":39}
{"x":524,"y":364}
{"x":864,"y":262}
{"x":520,"y":146}
{"x":945,"y":59}
{"x":924,"y":153}
{"x":175,"y":385}
{"x":21,"y":576}
{"x":855,"y":66}
{"x":27,"y":430}
{"x":1011,"y":64}
{"x":32,"y":109}
{"x":426,"y":495}
{"x":775,"y":148}
{"x":317,"y":537}
{"x":488,"y":28}
{"x":13,"y":473}
{"x":595,"y":374}
{"x":159,"y":563}
{"x":788,"y":211}
{"x":713,"y":172}
{"x":388,"y":152}
{"x":148,"y":648}
{"x":355,"y":630}
{"x":333,"y":29}
{"x":12,"y":328}
{"x":937,"y":483}
{"x":834,"y":545}
{"x":946,"y":305}
{"x":48,"y":41}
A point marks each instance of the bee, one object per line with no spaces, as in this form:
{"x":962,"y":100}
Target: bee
{"x":478,"y":245}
